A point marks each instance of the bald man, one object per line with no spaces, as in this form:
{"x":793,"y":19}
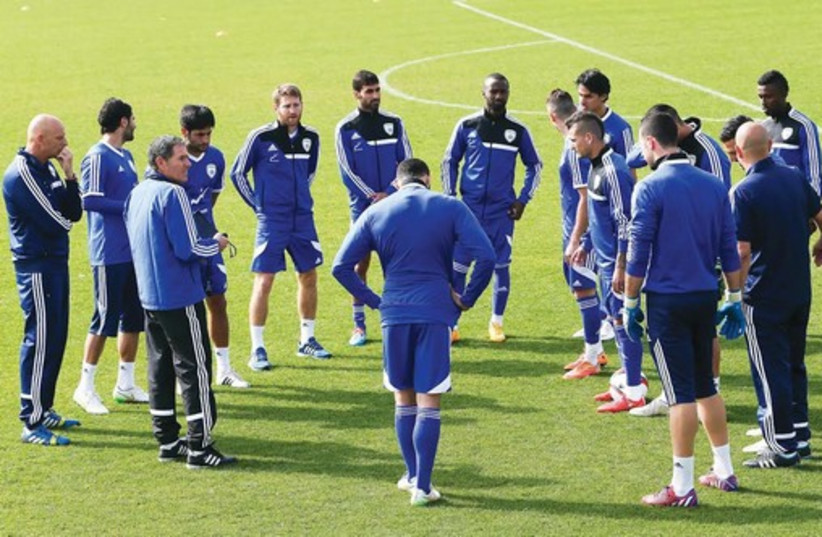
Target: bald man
{"x":41,"y":207}
{"x":771,"y":207}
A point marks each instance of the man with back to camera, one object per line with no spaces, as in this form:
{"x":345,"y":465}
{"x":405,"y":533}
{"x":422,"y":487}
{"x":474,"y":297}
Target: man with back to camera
{"x":167,"y":253}
{"x":283,"y":158}
{"x":41,"y":207}
{"x":414,"y":232}
{"x":772,"y":206}
{"x":795,"y":137}
{"x":370,"y":143}
{"x":681,"y":223}
{"x":205,"y":182}
{"x":107,"y":176}
{"x":581,"y":279}
{"x":489,"y":142}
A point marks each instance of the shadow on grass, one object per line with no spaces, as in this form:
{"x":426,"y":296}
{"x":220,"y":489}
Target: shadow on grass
{"x":706,"y":513}
{"x":349,"y":409}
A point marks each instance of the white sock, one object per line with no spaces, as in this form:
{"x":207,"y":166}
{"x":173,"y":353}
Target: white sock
{"x":592,"y":352}
{"x":633,"y":392}
{"x":87,"y":376}
{"x":496,"y":319}
{"x":683,"y":480}
{"x":125,"y":375}
{"x":723,"y":467}
{"x":306,"y":329}
{"x":223,"y":363}
{"x":257,"y":337}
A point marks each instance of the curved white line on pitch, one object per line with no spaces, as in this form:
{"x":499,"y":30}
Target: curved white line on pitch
{"x":386,"y":85}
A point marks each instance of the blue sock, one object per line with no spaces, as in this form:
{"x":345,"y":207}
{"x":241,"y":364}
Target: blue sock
{"x":426,"y":439}
{"x":631,"y":354}
{"x":405,"y":418}
{"x":502,"y":285}
{"x":359,"y":315}
{"x":591,"y":321}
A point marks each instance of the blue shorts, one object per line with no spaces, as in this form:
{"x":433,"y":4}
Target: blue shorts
{"x":418,"y":357}
{"x":579,"y":277}
{"x":215,"y":277}
{"x":116,"y":302}
{"x":501,"y":233}
{"x":682,"y":329}
{"x":271,"y":244}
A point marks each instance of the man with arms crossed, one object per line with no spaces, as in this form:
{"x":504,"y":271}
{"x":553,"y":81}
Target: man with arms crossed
{"x":414,"y":232}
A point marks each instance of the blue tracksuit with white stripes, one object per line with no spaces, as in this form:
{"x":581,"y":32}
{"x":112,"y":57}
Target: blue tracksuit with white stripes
{"x":771,"y":207}
{"x":796,"y":140}
{"x":41,"y":208}
{"x":618,"y":133}
{"x":705,"y":153}
{"x":369,"y":147}
{"x":167,"y":253}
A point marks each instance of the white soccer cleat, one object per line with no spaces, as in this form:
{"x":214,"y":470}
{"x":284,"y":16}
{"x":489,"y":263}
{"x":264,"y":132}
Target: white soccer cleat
{"x":232,"y":379}
{"x":579,"y":334}
{"x":756,"y":447}
{"x":420,"y":499}
{"x":406,"y":485}
{"x":135,"y":394}
{"x":657,"y":407}
{"x":755,"y":433}
{"x":90,"y":401}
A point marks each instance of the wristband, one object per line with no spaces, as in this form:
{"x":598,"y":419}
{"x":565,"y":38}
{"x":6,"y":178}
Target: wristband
{"x":733,"y":296}
{"x":631,"y":302}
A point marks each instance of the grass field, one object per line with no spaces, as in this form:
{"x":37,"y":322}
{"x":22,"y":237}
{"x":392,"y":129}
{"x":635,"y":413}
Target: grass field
{"x":522,"y":451}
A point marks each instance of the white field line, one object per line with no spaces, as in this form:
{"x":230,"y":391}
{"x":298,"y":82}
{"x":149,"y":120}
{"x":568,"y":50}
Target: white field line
{"x":608,"y":55}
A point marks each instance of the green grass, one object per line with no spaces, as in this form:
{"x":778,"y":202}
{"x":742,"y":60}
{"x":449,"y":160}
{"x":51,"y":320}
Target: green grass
{"x":522,"y":451}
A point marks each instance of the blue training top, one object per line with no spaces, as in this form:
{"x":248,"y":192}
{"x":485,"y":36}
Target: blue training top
{"x":414,"y":232}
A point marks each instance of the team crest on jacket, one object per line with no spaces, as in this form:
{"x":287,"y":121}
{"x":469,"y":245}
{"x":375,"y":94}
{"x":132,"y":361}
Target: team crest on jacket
{"x":787,"y":132}
{"x":510,"y":134}
{"x":388,"y":128}
{"x":306,"y":144}
{"x":211,"y":170}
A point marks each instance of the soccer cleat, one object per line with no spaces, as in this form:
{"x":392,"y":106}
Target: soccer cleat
{"x":90,"y":401}
{"x":495,"y":332}
{"x":604,"y":397}
{"x":135,"y":394}
{"x":259,"y":360}
{"x":455,"y":335}
{"x":657,"y":407}
{"x":232,"y":379}
{"x":357,"y":337}
{"x":771,"y":459}
{"x":668,"y":498}
{"x":623,"y":404}
{"x":406,"y":484}
{"x":606,"y":331}
{"x":419,"y":498}
{"x":313,"y":349}
{"x":804,"y":449}
{"x":581,"y":371}
{"x":53,"y":420}
{"x":42,"y":436}
{"x":579,"y":334}
{"x":602,"y":360}
{"x":756,"y":432}
{"x":729,"y":484}
{"x":208,"y":458}
{"x":174,"y":452}
{"x":757,"y":447}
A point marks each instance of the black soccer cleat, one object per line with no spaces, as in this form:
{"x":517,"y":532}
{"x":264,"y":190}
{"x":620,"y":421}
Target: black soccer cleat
{"x":771,"y":459}
{"x":173,"y":452}
{"x":209,"y":457}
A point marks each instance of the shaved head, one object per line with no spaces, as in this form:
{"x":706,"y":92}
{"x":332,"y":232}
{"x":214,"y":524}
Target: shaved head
{"x":46,"y":137}
{"x":752,"y":144}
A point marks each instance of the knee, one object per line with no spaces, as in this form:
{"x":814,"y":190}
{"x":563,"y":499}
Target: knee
{"x":308,"y":280}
